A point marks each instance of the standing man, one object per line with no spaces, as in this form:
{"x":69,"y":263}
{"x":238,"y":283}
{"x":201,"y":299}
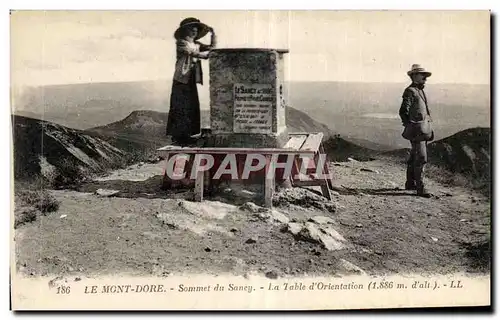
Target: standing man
{"x":415,"y":115}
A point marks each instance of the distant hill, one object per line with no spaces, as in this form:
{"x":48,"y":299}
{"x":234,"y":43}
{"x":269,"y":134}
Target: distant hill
{"x":340,"y":149}
{"x":142,"y":124}
{"x":361,"y":111}
{"x":300,"y":121}
{"x":368,"y":144}
{"x":151,"y":125}
{"x":59,"y":154}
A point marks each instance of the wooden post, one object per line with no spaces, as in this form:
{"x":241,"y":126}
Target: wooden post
{"x":326,"y":169}
{"x":167,"y":182}
{"x":198,"y":185}
{"x":324,"y":182}
{"x":269,"y":184}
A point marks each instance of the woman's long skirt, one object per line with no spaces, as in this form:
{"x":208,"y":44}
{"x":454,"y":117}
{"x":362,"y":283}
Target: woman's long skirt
{"x":184,"y":115}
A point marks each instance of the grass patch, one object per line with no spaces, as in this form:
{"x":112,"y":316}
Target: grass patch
{"x":479,"y":255}
{"x":30,"y":204}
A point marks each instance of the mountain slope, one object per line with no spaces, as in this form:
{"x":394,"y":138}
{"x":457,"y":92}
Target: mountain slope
{"x":300,"y":121}
{"x":466,"y":152}
{"x":148,"y":124}
{"x":465,"y":157}
{"x":58,"y":153}
{"x":363,"y":111}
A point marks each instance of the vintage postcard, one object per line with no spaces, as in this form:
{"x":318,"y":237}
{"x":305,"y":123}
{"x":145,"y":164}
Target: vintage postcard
{"x":250,"y":160}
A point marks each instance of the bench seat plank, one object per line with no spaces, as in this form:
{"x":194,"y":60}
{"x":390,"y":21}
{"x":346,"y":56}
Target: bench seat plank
{"x":176,"y":149}
{"x":295,"y":142}
{"x":312,"y":142}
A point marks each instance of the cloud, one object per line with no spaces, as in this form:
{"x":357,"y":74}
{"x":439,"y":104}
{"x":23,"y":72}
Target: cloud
{"x":40,"y":65}
{"x":117,"y":48}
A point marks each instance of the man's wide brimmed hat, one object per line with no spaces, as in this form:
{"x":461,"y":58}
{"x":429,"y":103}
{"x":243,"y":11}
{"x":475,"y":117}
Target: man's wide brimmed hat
{"x":189,"y":22}
{"x":416,"y":68}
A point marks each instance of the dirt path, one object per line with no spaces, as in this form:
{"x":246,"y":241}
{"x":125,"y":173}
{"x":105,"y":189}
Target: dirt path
{"x":144,"y":231}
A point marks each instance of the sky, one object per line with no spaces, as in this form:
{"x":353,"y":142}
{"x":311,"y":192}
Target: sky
{"x":63,"y":47}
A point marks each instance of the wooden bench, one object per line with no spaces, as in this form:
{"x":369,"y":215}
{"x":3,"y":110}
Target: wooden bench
{"x":299,"y":145}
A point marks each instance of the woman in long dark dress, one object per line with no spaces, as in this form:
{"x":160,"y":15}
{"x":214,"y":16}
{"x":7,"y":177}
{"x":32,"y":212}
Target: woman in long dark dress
{"x":184,"y":115}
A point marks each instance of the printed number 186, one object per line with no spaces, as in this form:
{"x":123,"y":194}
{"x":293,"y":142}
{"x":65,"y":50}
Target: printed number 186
{"x":63,"y":290}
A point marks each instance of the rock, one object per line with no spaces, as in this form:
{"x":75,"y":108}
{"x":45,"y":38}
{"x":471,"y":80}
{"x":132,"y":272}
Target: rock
{"x":352,"y":159}
{"x":272,"y":216}
{"x":278,"y":216}
{"x":368,"y":170}
{"x":350,"y":267}
{"x":326,"y":236}
{"x":208,"y":209}
{"x":63,"y":216}
{"x":322,"y":220}
{"x":359,"y":225}
{"x":334,"y":193}
{"x":271,"y":275}
{"x":208,"y":249}
{"x":233,"y":230}
{"x":463,"y":220}
{"x":330,"y":207}
{"x":434,"y":239}
{"x":294,"y":228}
{"x":78,"y":279}
{"x":304,"y":198}
{"x":251,"y":240}
{"x":150,"y":235}
{"x":106,"y":192}
{"x":246,"y":194}
{"x":330,"y":231}
{"x":252,"y":207}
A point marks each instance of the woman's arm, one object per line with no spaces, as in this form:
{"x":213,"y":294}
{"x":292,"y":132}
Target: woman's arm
{"x":213,"y":42}
{"x":183,"y":47}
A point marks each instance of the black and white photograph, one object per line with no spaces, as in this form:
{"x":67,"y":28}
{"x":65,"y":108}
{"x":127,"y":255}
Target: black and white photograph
{"x":250,"y":160}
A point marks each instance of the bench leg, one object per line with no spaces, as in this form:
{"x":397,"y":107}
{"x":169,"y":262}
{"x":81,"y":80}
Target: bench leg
{"x":269,"y":184}
{"x":321,"y":162}
{"x":326,"y":170}
{"x":166,"y":182}
{"x":326,"y":191}
{"x":199,"y":185}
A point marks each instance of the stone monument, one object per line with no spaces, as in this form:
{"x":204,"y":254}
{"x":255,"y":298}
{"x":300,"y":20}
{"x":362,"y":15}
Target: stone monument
{"x":247,"y":98}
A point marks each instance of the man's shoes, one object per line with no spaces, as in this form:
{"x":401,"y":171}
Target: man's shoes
{"x":422,"y":192}
{"x":409,"y":185}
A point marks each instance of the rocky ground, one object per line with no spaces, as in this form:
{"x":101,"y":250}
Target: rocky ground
{"x":124,"y":223}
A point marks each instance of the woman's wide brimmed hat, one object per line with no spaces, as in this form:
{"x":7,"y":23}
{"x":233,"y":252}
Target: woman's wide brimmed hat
{"x":416,"y":68}
{"x":189,"y":22}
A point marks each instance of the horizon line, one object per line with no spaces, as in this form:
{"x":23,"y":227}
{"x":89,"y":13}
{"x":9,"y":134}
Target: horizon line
{"x":289,"y":81}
